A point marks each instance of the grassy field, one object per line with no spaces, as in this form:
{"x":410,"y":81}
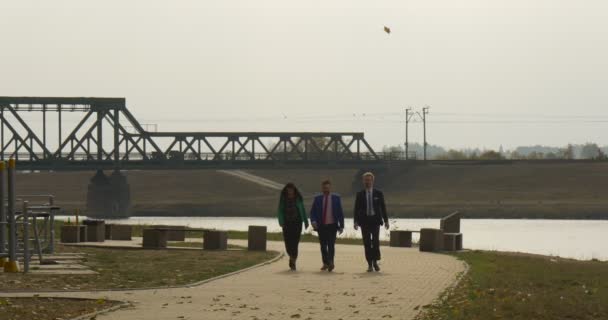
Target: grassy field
{"x":38,"y":308}
{"x":137,"y":268}
{"x":523,"y":287}
{"x":511,"y":190}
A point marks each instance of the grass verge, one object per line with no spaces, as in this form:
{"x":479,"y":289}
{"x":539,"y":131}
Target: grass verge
{"x":137,"y":268}
{"x":37,"y":308}
{"x":519,"y":286}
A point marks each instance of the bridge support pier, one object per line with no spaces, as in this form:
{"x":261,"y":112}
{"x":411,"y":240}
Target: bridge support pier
{"x":108,"y":197}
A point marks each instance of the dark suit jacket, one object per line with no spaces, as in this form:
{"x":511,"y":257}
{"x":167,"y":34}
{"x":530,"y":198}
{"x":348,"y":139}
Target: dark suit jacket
{"x":360,"y":213}
{"x":316,"y":211}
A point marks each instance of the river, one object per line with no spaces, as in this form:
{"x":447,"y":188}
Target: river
{"x":577,"y":239}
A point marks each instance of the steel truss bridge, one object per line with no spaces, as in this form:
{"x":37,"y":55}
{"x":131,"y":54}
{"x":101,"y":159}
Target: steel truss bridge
{"x":106,"y":135}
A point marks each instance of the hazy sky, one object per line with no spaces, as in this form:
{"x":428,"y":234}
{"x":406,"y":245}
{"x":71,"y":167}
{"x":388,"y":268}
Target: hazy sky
{"x":512,"y":72}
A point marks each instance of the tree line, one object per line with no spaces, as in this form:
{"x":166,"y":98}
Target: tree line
{"x":588,"y":150}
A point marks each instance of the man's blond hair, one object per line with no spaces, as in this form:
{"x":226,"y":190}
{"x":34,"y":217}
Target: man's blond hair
{"x":369,"y":174}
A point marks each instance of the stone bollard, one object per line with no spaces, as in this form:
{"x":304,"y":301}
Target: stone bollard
{"x":70,"y":234}
{"x":431,"y":240}
{"x":401,"y":238}
{"x":215,"y":240}
{"x":155,"y":238}
{"x":118,"y":232}
{"x":256,"y":238}
{"x":96,"y":230}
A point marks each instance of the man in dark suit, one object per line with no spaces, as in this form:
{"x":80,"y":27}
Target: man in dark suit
{"x":370,"y":214}
{"x":327,"y":219}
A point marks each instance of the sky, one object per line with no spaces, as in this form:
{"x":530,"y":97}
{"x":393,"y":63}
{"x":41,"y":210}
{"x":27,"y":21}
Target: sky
{"x":512,"y":72}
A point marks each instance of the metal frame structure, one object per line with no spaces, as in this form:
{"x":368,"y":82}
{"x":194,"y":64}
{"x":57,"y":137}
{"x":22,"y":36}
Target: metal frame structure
{"x":133,"y":147}
{"x":13,"y":245}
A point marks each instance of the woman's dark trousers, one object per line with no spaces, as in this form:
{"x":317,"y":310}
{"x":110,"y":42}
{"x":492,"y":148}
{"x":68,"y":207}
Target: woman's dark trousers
{"x":291,"y":237}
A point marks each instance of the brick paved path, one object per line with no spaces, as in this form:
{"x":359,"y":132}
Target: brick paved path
{"x":408,"y":280}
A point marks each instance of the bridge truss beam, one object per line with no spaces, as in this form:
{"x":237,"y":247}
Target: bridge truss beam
{"x":126,"y":145}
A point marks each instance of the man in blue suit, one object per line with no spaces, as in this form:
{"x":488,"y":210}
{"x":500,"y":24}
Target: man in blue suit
{"x":327,"y":218}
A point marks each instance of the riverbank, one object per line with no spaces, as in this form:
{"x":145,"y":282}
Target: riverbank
{"x":577,"y":239}
{"x":515,"y":286}
{"x":497,"y":190}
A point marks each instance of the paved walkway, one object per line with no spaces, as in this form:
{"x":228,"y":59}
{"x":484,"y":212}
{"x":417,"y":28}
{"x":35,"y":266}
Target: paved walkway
{"x":408,"y":281}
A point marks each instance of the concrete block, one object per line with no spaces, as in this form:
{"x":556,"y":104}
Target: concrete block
{"x":451,"y":223}
{"x":83,"y":233}
{"x":431,"y":240}
{"x":96,"y":230}
{"x":175,"y":233}
{"x":401,"y":238}
{"x":458,"y":241}
{"x":70,"y":234}
{"x":118,"y":232}
{"x":215,"y":240}
{"x":257,"y":238}
{"x":155,"y":239}
{"x":451,"y":240}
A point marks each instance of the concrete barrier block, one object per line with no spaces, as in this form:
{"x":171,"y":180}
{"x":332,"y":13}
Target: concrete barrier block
{"x":155,"y":239}
{"x":83,"y":233}
{"x":118,"y":232}
{"x":215,"y":240}
{"x":257,"y":238}
{"x":451,"y":223}
{"x":175,"y":233}
{"x":431,"y":240}
{"x":70,"y":234}
{"x":449,"y":241}
{"x":401,"y":238}
{"x":458,"y":241}
{"x":96,"y":230}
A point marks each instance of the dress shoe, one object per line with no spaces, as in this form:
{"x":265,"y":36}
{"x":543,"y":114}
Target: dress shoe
{"x":376,"y":266}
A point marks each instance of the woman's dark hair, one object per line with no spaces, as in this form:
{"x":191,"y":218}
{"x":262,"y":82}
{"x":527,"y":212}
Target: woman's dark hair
{"x":295,"y":189}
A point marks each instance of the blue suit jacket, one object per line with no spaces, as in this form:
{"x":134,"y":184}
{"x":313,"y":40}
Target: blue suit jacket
{"x":316,"y":212}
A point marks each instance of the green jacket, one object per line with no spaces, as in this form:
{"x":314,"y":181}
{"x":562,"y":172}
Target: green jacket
{"x":299,"y":206}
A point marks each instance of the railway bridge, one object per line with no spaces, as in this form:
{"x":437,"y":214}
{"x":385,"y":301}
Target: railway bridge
{"x":89,"y":133}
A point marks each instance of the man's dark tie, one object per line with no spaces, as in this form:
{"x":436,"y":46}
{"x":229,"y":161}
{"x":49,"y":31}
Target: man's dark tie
{"x":369,"y":203}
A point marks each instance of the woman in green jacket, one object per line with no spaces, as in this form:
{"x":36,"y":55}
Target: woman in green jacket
{"x":292,"y":215}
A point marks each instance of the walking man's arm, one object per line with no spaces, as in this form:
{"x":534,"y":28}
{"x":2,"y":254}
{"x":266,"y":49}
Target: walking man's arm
{"x":340,"y":215}
{"x":384,"y":213}
{"x":356,"y":211}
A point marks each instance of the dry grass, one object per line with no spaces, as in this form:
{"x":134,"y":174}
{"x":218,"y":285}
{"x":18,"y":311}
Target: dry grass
{"x":38,"y":308}
{"x":522,"y":287}
{"x":138,"y":268}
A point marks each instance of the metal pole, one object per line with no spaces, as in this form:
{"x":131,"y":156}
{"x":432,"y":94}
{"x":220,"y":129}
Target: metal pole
{"x":116,"y":138}
{"x":51,"y":227}
{"x":2,"y":215}
{"x":407,"y":120}
{"x":100,"y":115}
{"x":51,"y":247}
{"x":59,"y":131}
{"x":425,"y":111}
{"x":26,"y":238}
{"x":12,"y":265}
{"x":2,"y":132}
{"x":44,"y":129}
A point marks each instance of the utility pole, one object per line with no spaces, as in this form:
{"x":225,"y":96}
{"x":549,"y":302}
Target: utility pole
{"x":408,"y":116}
{"x":425,"y":111}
